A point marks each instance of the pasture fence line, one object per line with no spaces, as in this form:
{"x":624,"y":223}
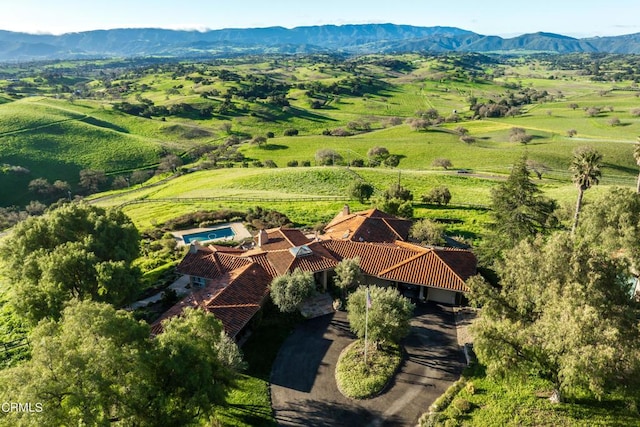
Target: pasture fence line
{"x":460,"y":205}
{"x":237,"y":199}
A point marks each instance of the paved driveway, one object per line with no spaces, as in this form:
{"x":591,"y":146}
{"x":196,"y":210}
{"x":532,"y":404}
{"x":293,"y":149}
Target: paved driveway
{"x":303,"y":387}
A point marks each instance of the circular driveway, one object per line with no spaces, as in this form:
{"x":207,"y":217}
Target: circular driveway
{"x":303,"y":386}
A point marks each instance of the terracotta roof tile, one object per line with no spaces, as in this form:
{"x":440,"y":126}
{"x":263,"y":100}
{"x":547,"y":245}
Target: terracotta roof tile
{"x":372,"y":225}
{"x":283,"y":238}
{"x":374,"y":258}
{"x":426,"y":269}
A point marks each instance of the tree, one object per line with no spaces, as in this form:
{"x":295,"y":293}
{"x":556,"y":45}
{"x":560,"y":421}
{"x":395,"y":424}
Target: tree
{"x":169,"y":163}
{"x":260,"y":141}
{"x":140,"y":176}
{"x":75,"y":251}
{"x":348,"y":274}
{"x":389,"y":315}
{"x":442,"y":163}
{"x":518,"y":208}
{"x":193,"y":366}
{"x":439,"y":195}
{"x":327,"y":157}
{"x":613,"y":121}
{"x":612,"y":223}
{"x":92,"y":180}
{"x":519,"y":135}
{"x":120,"y":182}
{"x":397,"y":191}
{"x":86,"y":369}
{"x":537,"y":167}
{"x":460,"y":130}
{"x":428,"y":232}
{"x":571,"y":133}
{"x":573,"y":105}
{"x":585,"y":168}
{"x":636,"y":156}
{"x":563,"y":311}
{"x":377,"y":154}
{"x":98,"y":366}
{"x":361,"y":191}
{"x":392,"y":161}
{"x":291,"y":289}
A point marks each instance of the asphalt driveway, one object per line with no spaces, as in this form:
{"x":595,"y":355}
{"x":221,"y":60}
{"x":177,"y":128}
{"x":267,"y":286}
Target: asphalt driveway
{"x":303,"y":387}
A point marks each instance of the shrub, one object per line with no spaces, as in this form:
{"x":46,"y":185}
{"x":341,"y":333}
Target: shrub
{"x":270,"y":164}
{"x":306,"y":163}
{"x":291,"y":132}
{"x":292,"y":163}
{"x":271,"y":135}
{"x":392,"y":161}
{"x":428,"y":232}
{"x":439,"y":195}
{"x":291,"y":289}
{"x":327,"y":156}
{"x":357,"y":163}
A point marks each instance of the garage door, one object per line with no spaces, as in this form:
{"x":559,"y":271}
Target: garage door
{"x":442,"y":296}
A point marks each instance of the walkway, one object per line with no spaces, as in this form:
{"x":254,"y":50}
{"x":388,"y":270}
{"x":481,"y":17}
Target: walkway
{"x":180,"y":286}
{"x":304,"y":392}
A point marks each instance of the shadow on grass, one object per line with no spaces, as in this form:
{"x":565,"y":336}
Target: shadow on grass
{"x":273,"y":147}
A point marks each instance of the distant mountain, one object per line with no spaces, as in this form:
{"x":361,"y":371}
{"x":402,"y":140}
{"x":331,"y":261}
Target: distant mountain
{"x":354,"y":39}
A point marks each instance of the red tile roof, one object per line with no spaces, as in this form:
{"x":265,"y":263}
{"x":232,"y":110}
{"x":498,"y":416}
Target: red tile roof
{"x":409,"y":263}
{"x":233,"y":298}
{"x":236,"y":304}
{"x":372,"y":225}
{"x":209,"y":262}
{"x":283,"y":238}
{"x":318,"y":260}
{"x":239,"y":280}
{"x":374,"y":257}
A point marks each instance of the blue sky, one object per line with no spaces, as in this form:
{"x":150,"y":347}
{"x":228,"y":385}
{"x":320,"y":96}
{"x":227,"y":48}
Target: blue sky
{"x":578,"y":18}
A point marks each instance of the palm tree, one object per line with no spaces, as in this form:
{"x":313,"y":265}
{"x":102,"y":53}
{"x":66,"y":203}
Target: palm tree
{"x":636,"y":155}
{"x":585,"y":167}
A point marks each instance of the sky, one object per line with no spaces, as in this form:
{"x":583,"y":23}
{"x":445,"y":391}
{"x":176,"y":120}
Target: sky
{"x":576,"y":18}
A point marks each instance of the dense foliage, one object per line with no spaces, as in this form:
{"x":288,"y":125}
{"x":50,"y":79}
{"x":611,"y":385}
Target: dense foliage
{"x":75,"y":251}
{"x":388,"y":317}
{"x":564,"y":312}
{"x":98,"y":366}
{"x":291,"y":289}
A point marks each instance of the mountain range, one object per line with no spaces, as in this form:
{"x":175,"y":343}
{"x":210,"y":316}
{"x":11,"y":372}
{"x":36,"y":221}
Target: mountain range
{"x":349,"y":39}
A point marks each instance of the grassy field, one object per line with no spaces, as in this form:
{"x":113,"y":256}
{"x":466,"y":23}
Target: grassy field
{"x":485,"y":401}
{"x":56,"y":135}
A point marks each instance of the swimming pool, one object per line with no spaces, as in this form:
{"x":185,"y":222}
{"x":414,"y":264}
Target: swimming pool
{"x":208,"y":235}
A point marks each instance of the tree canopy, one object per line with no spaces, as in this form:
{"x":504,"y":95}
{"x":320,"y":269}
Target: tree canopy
{"x":519,"y":210}
{"x":291,"y":289}
{"x":75,"y":251}
{"x":97,"y":366}
{"x":348,"y":274}
{"x":564,"y":312}
{"x":389,"y":316}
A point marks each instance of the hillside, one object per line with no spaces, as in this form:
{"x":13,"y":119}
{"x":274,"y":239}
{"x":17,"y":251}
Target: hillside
{"x":120,"y":117}
{"x":353,"y":39}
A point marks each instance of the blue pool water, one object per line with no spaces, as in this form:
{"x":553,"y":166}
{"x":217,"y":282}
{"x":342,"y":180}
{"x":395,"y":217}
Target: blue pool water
{"x":204,"y":236}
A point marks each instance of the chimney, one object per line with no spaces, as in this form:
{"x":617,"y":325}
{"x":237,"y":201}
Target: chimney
{"x":345,"y":210}
{"x":263,"y":238}
{"x":193,"y":247}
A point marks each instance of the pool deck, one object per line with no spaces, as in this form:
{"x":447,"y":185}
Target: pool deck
{"x":239,"y":230}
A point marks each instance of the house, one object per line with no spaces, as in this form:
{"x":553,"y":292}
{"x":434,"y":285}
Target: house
{"x":234,"y":283}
